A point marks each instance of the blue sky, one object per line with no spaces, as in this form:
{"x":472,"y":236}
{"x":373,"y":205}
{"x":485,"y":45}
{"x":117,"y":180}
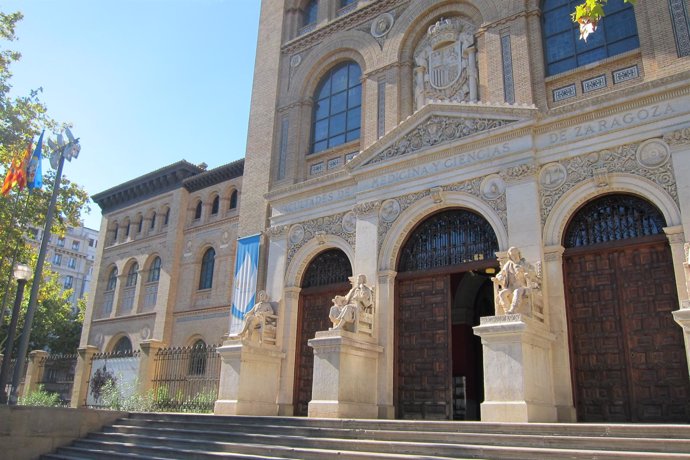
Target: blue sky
{"x":145,"y":83}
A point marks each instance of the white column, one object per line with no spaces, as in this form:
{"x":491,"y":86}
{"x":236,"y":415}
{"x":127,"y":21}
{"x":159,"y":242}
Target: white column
{"x":289,"y":310}
{"x":385,"y":325}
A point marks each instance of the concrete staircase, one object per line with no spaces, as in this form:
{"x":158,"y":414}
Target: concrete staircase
{"x":187,"y":436}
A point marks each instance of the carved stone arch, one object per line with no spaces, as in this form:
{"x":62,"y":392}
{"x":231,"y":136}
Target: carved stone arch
{"x":571,"y":201}
{"x":304,"y":256}
{"x":421,"y":210}
{"x":353,"y":45}
{"x":193,"y":339}
{"x":415,"y":21}
{"x":114,"y":341}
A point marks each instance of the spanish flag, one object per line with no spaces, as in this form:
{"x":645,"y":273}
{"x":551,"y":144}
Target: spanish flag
{"x":16,"y":174}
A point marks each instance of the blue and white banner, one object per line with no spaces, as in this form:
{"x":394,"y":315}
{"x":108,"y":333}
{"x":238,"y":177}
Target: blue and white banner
{"x":246,"y":274}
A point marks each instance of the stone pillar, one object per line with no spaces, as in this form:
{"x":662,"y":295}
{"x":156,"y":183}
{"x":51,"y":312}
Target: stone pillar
{"x":682,"y":317}
{"x":555,"y":318}
{"x":249,"y":379}
{"x":517,"y":370}
{"x":82,"y":373}
{"x":34,"y":371}
{"x":288,"y":312}
{"x":385,"y":319}
{"x":345,"y":375}
{"x":147,"y":364}
{"x":681,"y":268}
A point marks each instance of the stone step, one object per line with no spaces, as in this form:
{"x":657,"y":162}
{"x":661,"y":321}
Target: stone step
{"x":172,"y":448}
{"x":325,"y":449}
{"x":665,"y":431}
{"x":280,"y":434}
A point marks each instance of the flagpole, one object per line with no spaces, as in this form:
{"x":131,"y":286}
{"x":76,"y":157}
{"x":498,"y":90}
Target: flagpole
{"x":64,"y":149}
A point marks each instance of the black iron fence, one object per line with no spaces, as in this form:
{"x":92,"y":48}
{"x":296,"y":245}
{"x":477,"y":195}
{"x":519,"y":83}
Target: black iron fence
{"x":58,"y":374}
{"x":121,"y":368}
{"x":10,"y":373}
{"x":186,"y":379}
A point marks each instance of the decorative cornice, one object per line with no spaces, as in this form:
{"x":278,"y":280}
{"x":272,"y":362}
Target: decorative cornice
{"x":154,"y":183}
{"x":214,"y":176}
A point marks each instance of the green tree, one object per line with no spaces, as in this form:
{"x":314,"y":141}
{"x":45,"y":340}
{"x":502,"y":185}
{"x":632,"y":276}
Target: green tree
{"x":588,"y":15}
{"x":21,"y":120}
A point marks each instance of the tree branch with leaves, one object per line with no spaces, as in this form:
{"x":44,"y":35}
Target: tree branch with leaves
{"x":588,"y":15}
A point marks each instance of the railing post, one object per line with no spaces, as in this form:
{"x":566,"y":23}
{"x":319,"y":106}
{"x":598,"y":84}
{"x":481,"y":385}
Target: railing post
{"x":147,"y":364}
{"x":34,"y":372}
{"x":82,"y":373}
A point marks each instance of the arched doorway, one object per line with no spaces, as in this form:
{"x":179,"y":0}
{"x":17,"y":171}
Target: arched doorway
{"x":325,"y":277}
{"x":627,"y":355}
{"x":443,"y":286}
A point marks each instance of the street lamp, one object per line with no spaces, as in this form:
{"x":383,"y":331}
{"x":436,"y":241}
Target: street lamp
{"x":22,"y":273}
{"x":59,"y":152}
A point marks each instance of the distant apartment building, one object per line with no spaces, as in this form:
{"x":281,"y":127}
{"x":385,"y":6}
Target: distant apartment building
{"x":71,"y":257}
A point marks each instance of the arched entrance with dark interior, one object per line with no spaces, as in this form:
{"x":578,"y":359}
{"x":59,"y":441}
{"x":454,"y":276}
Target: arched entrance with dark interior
{"x":443,"y":287}
{"x":325,"y":277}
{"x":627,"y":354}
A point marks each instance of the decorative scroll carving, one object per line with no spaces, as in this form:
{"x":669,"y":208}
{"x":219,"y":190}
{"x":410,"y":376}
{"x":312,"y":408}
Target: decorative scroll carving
{"x":681,"y":136}
{"x":303,"y":232}
{"x":277,"y":230}
{"x":518,"y":287}
{"x":437,"y":130}
{"x":354,"y":312}
{"x":363,"y":209}
{"x":496,"y":200}
{"x":598,"y":166}
{"x":436,"y":194}
{"x":519,"y":172}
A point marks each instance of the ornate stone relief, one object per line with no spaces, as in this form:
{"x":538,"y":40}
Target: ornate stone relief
{"x":436,"y":194}
{"x":492,"y":187}
{"x":349,"y":222}
{"x":319,"y":228}
{"x":382,"y":25}
{"x":437,"y":130}
{"x":445,"y":63}
{"x":552,"y":176}
{"x":363,"y":209}
{"x":390,"y":210}
{"x":646,"y":159}
{"x":471,"y":187}
{"x":681,"y":136}
{"x":519,"y":172}
{"x":277,"y":230}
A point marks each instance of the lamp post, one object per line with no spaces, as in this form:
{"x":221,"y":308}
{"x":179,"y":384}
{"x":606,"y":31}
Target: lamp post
{"x":59,"y":153}
{"x":22,"y":273}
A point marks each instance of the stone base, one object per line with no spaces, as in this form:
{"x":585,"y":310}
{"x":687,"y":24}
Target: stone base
{"x":517,"y":411}
{"x":345,"y":366}
{"x":249,"y":379}
{"x":335,"y":409}
{"x":518,"y":384}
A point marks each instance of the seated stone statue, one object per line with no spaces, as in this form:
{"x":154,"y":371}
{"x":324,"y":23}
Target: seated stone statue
{"x":514,"y":283}
{"x":346,"y":309}
{"x":256,"y":319}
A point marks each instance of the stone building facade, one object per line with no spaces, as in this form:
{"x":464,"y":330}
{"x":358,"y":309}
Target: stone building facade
{"x":415,"y":143}
{"x":162,"y":268}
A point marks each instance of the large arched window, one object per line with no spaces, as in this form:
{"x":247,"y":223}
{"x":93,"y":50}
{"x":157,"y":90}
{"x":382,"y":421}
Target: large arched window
{"x":155,"y":270}
{"x":563,"y":49}
{"x":310,"y":13}
{"x":207,"y":262}
{"x":123,"y":346}
{"x":132,"y":275}
{"x":112,"y":280}
{"x":337,"y":107}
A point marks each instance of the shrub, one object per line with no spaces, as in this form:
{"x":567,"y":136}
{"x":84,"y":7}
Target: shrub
{"x":40,"y":398}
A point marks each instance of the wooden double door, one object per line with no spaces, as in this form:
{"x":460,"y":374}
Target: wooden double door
{"x":627,"y":354}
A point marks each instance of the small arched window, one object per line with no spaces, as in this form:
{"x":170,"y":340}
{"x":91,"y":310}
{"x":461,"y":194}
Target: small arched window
{"x":140,"y":224}
{"x":233,"y":200}
{"x":337,"y":107}
{"x":215,"y":205}
{"x":127,"y":228}
{"x":207,"y":262}
{"x":166,"y":219}
{"x":153,"y":221}
{"x":310,"y":13}
{"x":197,"y":358}
{"x":115,"y":232}
{"x":112,"y":280}
{"x":197,"y":211}
{"x":563,"y":49}
{"x":155,"y":270}
{"x":132,"y":275}
{"x":124,"y":345}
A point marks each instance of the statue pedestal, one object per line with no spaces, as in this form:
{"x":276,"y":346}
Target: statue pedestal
{"x":518,"y":382}
{"x":345,"y":370}
{"x":249,"y":379}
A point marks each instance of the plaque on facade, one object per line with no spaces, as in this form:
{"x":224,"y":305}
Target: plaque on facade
{"x":381,"y":25}
{"x":552,"y":176}
{"x":390,"y":210}
{"x":652,"y":153}
{"x":296,"y":234}
{"x":492,"y":187}
{"x":349,"y":222}
{"x":445,"y":63}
